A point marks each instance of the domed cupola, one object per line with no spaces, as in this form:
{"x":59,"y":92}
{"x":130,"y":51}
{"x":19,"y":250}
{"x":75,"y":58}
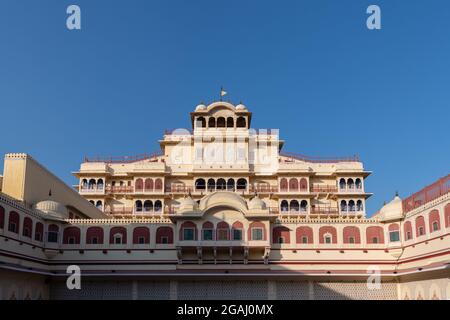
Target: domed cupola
{"x":392,"y":210}
{"x":200,"y":107}
{"x":241,"y":107}
{"x":256,"y":203}
{"x":188,"y":204}
{"x":52,"y":208}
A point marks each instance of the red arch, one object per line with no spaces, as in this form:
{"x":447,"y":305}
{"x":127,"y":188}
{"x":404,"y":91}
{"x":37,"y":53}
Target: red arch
{"x":14,"y":222}
{"x":407,"y":227}
{"x":420,"y":223}
{"x":351,"y":231}
{"x":293,"y":184}
{"x":394,"y":227}
{"x":158,"y":184}
{"x":148,"y":184}
{"x":327,"y":229}
{"x":2,"y":217}
{"x":283,"y":184}
{"x":141,"y":232}
{"x":139,"y":184}
{"x":433,"y":216}
{"x":304,"y":232}
{"x":118,"y":230}
{"x":256,"y":224}
{"x":374,"y":232}
{"x":303,"y":184}
{"x":39,"y":232}
{"x":278,"y":232}
{"x":222,"y":225}
{"x":164,"y":232}
{"x":208,"y":225}
{"x":188,"y":224}
{"x":94,"y":232}
{"x":447,"y":215}
{"x":27,"y":227}
{"x":71,"y":232}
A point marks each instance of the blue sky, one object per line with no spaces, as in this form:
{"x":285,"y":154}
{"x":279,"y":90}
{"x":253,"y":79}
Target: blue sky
{"x":310,"y":68}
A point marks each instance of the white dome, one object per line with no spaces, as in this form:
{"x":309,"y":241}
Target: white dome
{"x":200,"y":107}
{"x":256,"y":204}
{"x":241,"y":107}
{"x":53,"y":208}
{"x":392,"y":210}
{"x":188,"y":204}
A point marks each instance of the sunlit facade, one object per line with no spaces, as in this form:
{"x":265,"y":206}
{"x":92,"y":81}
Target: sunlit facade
{"x":220,"y":212}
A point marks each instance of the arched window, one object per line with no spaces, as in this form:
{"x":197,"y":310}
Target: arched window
{"x":241,"y":123}
{"x":100,"y":184}
{"x":92,"y":202}
{"x":303,"y":185}
{"x":374,"y":235}
{"x":351,"y":235}
{"x":13,"y":222}
{"x":118,"y":235}
{"x":158,"y":184}
{"x":99,"y":205}
{"x":71,"y":235}
{"x":148,"y":184}
{"x":359,"y":205}
{"x":447,"y":215}
{"x":139,"y":184}
{"x":257,"y":231}
{"x":241,"y":184}
{"x":200,"y":184}
{"x":223,"y":231}
{"x":148,"y":205}
{"x":283,"y":184}
{"x":230,"y":122}
{"x":342,"y":184}
{"x":188,"y":231}
{"x":27,"y":230}
{"x":434,"y":221}
{"x":281,"y":235}
{"x":304,"y":235}
{"x":201,"y":122}
{"x":221,"y":122}
{"x":94,"y":235}
{"x":304,"y":206}
{"x":351,"y":206}
{"x":52,"y":234}
{"x":407,"y":230}
{"x":158,"y":206}
{"x":138,"y":206}
{"x":294,"y":206}
{"x":343,"y":206}
{"x":327,"y":234}
{"x":164,"y":235}
{"x":230,"y":184}
{"x":221,"y":184}
{"x":394,"y":232}
{"x":237,"y":231}
{"x":92,"y":184}
{"x":293,"y":184}
{"x":84,"y":184}
{"x":350,"y":184}
{"x":284,"y":206}
{"x":420,"y":226}
{"x":2,"y":217}
{"x":207,"y":231}
{"x":211,"y":184}
{"x":39,"y":232}
{"x":212,"y":122}
{"x":141,"y":235}
{"x":358,"y":184}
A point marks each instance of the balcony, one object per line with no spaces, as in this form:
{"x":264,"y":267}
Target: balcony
{"x":289,"y":190}
{"x":132,"y":212}
{"x":294,"y":213}
{"x":324,"y":211}
{"x":323,"y":189}
{"x":147,"y":191}
{"x":119,"y":189}
{"x":263,"y":189}
{"x":351,"y":190}
{"x":96,"y":190}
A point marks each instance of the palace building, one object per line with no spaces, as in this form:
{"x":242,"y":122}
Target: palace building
{"x":220,"y":212}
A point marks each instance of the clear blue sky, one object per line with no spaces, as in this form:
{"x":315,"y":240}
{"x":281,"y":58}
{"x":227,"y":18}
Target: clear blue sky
{"x":310,"y":68}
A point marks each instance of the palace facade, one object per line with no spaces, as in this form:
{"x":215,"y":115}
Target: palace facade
{"x":221,"y":212}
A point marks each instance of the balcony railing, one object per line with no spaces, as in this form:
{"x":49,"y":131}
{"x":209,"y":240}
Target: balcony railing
{"x":324,"y":210}
{"x":300,"y":157}
{"x":124,"y":159}
{"x":263,"y":189}
{"x":144,"y":190}
{"x":323,"y":189}
{"x":92,"y":190}
{"x":131,"y":211}
{"x":351,"y":190}
{"x":119,"y":189}
{"x":427,"y":194}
